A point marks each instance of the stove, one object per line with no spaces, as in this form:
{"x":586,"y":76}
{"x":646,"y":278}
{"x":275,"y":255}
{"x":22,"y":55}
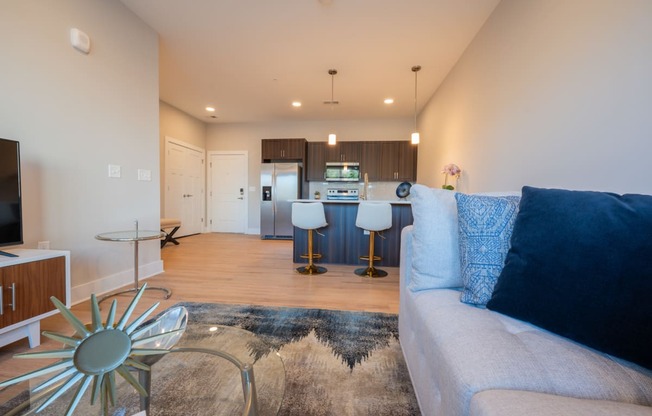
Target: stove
{"x":342,"y":194}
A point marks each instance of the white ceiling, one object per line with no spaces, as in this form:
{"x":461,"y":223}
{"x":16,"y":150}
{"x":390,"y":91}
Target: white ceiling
{"x":251,"y":58}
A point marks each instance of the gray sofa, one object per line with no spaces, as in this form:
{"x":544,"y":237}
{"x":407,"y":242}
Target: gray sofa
{"x":466,"y":360}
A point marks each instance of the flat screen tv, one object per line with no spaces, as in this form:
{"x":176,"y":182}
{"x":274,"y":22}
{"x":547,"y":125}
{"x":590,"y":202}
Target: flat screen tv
{"x":11,"y":215}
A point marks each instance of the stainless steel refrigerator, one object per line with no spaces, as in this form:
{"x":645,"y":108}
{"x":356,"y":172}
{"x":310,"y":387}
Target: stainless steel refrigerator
{"x":280,"y":184}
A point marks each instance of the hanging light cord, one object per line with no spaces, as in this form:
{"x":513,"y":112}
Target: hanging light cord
{"x":332,"y":87}
{"x":415,"y":100}
{"x":332,"y":137}
{"x":415,"y":69}
{"x":332,"y":73}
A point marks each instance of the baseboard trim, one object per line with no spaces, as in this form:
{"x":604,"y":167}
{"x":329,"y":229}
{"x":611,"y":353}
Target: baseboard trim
{"x":253,"y":231}
{"x":110,"y":283}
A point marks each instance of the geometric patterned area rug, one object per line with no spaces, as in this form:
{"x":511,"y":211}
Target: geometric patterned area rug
{"x":336,"y":362}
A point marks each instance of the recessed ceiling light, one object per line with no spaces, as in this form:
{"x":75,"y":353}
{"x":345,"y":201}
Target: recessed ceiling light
{"x":389,"y":101}
{"x":211,"y":109}
{"x":296,"y":104}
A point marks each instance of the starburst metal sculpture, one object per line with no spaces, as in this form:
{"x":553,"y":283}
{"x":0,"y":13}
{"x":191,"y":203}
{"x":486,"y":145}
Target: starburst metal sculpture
{"x":95,"y":353}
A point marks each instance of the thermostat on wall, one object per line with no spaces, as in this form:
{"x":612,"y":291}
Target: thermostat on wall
{"x":80,"y":40}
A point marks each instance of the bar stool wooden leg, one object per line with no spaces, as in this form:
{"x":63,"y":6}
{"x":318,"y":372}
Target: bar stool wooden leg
{"x":311,"y":268}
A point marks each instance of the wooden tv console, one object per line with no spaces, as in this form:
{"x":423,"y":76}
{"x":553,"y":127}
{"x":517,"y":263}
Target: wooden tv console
{"x":26,"y":284}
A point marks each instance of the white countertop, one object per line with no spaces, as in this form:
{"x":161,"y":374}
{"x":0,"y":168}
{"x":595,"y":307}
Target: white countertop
{"x":28,"y":255}
{"x":336,"y":201}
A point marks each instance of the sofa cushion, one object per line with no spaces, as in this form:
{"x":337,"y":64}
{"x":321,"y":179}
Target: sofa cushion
{"x":485,"y":229}
{"x":519,"y":403}
{"x":435,"y":263}
{"x":580,"y":265}
{"x":454,"y":350}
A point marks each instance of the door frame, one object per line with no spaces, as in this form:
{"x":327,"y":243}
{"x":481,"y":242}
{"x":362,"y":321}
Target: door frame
{"x":209,"y":194}
{"x":168,"y":140}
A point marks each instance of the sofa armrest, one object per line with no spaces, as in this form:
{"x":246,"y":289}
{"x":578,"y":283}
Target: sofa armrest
{"x":406,"y":256}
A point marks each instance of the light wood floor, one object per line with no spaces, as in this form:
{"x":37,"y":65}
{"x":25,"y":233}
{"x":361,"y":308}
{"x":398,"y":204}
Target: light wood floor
{"x":233,"y":268}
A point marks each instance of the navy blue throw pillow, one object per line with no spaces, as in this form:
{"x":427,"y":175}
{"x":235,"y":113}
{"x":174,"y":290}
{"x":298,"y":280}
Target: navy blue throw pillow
{"x":580,"y":265}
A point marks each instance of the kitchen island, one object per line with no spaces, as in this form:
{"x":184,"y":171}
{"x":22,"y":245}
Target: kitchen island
{"x":344,"y":243}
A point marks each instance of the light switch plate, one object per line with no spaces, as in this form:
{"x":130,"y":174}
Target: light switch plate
{"x":144,"y":175}
{"x":114,"y":171}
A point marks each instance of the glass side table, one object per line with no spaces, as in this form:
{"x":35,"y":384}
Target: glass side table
{"x":134,"y":236}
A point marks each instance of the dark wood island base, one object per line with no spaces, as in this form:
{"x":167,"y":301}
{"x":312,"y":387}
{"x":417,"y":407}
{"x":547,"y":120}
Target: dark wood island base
{"x":344,"y":243}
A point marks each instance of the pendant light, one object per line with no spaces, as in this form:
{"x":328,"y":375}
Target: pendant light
{"x":415,"y":135}
{"x":332,"y":138}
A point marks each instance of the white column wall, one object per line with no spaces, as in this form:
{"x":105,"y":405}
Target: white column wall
{"x":74,"y":114}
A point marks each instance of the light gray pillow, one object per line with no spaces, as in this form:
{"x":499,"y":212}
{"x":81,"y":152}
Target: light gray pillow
{"x":436,"y":259}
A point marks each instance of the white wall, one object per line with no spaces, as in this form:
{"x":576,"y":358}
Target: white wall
{"x":551,"y":93}
{"x":181,"y":126}
{"x":248,"y":136}
{"x":74,"y":114}
{"x":175,"y":123}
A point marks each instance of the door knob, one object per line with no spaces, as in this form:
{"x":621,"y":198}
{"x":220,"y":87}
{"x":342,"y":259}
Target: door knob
{"x":240,"y":197}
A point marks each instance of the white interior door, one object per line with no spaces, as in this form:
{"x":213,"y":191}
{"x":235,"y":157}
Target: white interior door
{"x":184,"y":186}
{"x":194,"y":185}
{"x":228,"y":192}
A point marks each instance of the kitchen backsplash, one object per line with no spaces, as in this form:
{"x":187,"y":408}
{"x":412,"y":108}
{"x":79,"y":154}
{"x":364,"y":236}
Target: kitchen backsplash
{"x":378,"y":191}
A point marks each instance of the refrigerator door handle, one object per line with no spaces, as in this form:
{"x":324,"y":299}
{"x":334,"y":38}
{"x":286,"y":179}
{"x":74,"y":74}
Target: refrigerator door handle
{"x":274,"y":192}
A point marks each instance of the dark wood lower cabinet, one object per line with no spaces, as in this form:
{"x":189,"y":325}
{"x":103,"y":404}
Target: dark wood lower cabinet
{"x":26,"y":285}
{"x":344,"y":243}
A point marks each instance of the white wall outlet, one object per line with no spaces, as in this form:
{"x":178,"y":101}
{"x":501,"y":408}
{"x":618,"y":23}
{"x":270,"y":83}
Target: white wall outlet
{"x":365,"y":232}
{"x":43,"y":245}
{"x":144,"y":175}
{"x":114,"y":171}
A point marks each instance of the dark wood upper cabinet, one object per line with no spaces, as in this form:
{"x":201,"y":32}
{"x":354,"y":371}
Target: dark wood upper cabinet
{"x":283,"y":149}
{"x":389,"y":155}
{"x":407,"y":162}
{"x":316,"y":161}
{"x":321,"y":152}
{"x":399,"y":161}
{"x":347,"y":152}
{"x":370,"y":162}
{"x":388,"y":161}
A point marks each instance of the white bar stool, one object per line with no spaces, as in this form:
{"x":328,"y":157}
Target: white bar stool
{"x":309,"y":216}
{"x":373,"y":217}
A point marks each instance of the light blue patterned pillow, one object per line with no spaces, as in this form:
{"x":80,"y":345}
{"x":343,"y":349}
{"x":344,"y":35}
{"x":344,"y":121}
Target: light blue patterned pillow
{"x":485,"y":229}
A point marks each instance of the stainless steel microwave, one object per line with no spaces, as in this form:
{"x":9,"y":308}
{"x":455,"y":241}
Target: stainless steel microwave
{"x":342,"y":172}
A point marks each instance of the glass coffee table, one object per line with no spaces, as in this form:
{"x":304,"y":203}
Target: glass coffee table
{"x":190,"y":380}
